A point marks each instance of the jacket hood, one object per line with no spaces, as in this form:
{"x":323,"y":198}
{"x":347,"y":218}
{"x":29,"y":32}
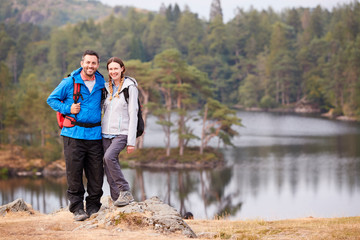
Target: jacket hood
{"x":129,"y":81}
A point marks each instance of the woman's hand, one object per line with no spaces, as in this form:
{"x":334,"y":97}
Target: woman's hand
{"x":130,"y":149}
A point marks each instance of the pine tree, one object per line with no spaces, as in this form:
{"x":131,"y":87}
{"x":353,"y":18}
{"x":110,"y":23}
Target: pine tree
{"x":215,"y":10}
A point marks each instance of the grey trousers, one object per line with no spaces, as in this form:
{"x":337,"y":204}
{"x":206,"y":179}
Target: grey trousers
{"x":115,"y":177}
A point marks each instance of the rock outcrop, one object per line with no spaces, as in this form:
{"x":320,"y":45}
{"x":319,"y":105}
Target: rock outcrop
{"x":16,"y":206}
{"x":151,"y":213}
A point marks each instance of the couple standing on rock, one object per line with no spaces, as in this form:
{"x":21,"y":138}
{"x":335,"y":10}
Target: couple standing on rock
{"x":92,"y":144}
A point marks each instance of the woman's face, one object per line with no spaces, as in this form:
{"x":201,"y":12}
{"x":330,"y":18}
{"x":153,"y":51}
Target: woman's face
{"x":115,"y":70}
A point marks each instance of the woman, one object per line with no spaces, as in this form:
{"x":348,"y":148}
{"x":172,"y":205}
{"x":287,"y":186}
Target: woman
{"x":118,"y":128}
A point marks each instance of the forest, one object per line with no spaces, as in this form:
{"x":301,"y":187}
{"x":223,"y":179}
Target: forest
{"x":259,"y":59}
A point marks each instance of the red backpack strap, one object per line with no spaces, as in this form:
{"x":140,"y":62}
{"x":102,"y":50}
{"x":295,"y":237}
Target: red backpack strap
{"x":76,"y":93}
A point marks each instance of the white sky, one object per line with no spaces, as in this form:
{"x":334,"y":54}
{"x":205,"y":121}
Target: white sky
{"x":202,"y":7}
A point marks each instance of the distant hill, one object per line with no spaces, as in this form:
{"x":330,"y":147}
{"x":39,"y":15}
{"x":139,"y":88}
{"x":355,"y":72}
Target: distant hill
{"x":55,"y":12}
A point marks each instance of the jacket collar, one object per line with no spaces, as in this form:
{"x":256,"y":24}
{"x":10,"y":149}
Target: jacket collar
{"x":98,"y":76}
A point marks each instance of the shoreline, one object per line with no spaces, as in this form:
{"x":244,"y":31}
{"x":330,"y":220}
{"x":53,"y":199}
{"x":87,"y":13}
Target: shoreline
{"x":13,"y":163}
{"x":301,"y":110}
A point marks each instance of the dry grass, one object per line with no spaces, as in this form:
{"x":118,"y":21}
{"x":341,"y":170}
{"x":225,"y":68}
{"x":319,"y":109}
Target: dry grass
{"x":308,"y":228}
{"x":132,"y":221}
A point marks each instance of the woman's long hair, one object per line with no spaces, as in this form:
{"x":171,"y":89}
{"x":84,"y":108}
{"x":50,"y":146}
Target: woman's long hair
{"x":121,"y":63}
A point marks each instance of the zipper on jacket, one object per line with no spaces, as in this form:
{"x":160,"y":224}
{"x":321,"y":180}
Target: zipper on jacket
{"x":109,"y":121}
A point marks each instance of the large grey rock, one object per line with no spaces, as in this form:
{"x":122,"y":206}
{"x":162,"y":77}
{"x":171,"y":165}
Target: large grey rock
{"x":16,"y":206}
{"x":152,"y":212}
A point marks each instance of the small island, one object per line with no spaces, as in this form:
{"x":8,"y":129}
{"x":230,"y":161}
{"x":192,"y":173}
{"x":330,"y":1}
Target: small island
{"x":14,"y":163}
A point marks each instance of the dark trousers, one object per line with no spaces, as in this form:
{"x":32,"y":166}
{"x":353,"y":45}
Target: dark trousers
{"x":114,"y":175}
{"x":84,"y":156}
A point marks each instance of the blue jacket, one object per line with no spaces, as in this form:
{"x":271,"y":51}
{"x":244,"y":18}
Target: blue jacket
{"x":61,"y":100}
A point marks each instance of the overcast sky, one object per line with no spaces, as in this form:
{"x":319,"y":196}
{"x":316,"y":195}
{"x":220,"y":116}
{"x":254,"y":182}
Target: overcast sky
{"x":202,"y":7}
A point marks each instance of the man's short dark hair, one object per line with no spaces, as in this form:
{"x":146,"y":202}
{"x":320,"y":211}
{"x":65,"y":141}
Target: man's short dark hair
{"x":90,"y":52}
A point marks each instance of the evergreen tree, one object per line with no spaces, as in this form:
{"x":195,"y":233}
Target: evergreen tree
{"x":176,"y":12}
{"x":156,"y":35}
{"x":173,"y":88}
{"x":293,"y":20}
{"x":5,"y":96}
{"x":6,"y":42}
{"x":216,"y":10}
{"x":189,"y":28}
{"x":250,"y":92}
{"x":282,"y":63}
{"x":316,"y":23}
{"x":59,"y":50}
{"x":216,"y":38}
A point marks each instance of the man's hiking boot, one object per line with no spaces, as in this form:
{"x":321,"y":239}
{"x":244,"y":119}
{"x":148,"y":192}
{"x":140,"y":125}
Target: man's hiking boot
{"x":124,"y":199}
{"x":91,"y":212}
{"x":80,"y":215}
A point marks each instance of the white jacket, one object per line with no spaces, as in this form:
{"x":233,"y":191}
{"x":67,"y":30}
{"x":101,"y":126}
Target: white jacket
{"x":119,"y":116}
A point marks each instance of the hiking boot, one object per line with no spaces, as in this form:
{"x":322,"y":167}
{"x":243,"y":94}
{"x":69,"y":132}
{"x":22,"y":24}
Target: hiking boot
{"x":91,"y":212}
{"x":80,"y":215}
{"x":124,"y":199}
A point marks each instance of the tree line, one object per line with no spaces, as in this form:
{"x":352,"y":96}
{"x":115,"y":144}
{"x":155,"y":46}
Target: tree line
{"x":259,"y":59}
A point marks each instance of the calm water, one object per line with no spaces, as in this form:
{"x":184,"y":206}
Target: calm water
{"x":283,"y":166}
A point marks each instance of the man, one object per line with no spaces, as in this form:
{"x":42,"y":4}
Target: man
{"x":82,"y":140}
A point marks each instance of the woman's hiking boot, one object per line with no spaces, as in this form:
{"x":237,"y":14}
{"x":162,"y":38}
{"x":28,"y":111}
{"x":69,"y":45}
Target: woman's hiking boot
{"x":124,"y":199}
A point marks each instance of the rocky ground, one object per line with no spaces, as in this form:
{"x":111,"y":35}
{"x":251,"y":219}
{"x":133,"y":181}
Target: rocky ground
{"x":153,"y":219}
{"x":150,"y":219}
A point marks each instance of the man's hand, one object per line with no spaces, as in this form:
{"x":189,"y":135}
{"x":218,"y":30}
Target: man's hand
{"x":75,"y":108}
{"x":130,"y":149}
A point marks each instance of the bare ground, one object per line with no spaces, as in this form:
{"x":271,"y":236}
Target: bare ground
{"x":60,"y":225}
{"x":22,"y":226}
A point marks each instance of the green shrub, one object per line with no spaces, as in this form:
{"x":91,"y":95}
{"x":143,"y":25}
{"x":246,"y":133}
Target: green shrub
{"x":337,"y":112}
{"x":4,"y":173}
{"x":267,"y":102}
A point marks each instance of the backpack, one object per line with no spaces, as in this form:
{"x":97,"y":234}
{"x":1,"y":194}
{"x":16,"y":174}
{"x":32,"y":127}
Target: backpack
{"x":68,"y":121}
{"x":140,"y":124}
{"x":64,"y":120}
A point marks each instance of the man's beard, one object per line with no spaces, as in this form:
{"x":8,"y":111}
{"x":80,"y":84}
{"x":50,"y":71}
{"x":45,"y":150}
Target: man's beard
{"x":86,"y":72}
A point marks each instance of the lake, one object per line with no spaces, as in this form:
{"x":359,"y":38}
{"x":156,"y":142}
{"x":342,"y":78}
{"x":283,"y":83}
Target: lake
{"x":283,"y":166}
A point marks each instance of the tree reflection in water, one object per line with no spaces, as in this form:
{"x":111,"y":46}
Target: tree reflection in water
{"x":45,"y":195}
{"x":182,"y":189}
{"x":188,"y":190}
{"x":213,"y":185}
